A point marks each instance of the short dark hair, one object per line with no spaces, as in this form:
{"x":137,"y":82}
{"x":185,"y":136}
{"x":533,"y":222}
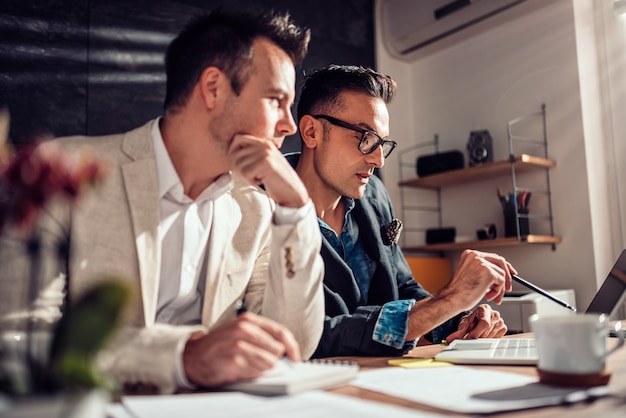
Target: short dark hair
{"x":322,"y":88}
{"x":224,"y":40}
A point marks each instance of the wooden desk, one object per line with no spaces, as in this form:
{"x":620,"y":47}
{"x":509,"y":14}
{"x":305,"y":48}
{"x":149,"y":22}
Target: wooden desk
{"x":608,"y":407}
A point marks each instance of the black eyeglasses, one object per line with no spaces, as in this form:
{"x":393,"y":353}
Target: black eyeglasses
{"x":369,"y":139}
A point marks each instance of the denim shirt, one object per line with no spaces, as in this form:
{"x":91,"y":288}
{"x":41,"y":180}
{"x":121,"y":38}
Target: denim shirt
{"x":392,"y":324}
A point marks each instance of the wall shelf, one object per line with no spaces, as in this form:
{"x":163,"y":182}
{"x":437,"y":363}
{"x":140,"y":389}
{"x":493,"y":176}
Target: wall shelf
{"x":511,"y":167}
{"x":522,"y":163}
{"x":492,"y":243}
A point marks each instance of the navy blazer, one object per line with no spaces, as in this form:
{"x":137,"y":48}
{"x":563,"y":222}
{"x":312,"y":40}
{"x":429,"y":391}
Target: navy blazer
{"x":348,"y":326}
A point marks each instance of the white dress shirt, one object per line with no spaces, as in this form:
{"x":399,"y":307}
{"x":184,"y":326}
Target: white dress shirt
{"x":187,"y":221}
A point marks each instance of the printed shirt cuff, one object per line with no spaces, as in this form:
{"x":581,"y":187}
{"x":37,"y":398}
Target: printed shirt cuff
{"x":393,"y":321}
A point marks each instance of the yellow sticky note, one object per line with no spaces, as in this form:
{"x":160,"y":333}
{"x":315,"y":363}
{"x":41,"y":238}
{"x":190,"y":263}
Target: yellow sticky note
{"x":417,"y":363}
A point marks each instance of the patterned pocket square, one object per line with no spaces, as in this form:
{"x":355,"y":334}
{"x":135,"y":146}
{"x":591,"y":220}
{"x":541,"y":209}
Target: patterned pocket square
{"x":392,"y":234}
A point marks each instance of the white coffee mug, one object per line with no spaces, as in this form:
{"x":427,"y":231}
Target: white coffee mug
{"x":574,"y":344}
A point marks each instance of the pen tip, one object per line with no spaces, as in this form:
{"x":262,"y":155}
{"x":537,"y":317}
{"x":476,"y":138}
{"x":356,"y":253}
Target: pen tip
{"x":240,"y":307}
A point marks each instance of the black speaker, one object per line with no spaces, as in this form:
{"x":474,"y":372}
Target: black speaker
{"x":440,"y":162}
{"x":479,"y":148}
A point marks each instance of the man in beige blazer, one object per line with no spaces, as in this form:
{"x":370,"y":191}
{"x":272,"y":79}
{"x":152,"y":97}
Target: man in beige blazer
{"x":182,"y":219}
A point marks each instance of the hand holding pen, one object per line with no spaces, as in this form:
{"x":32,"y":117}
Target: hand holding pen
{"x":241,"y":309}
{"x":240,"y":348}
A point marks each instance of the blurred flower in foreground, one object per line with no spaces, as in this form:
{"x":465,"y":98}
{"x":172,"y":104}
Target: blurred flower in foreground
{"x":30,"y":178}
{"x":38,"y":173}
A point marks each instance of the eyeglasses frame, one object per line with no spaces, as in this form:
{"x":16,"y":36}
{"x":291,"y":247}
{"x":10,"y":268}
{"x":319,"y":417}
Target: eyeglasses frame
{"x":343,"y":124}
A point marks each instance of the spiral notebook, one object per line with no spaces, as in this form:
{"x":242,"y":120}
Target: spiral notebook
{"x":288,"y":378}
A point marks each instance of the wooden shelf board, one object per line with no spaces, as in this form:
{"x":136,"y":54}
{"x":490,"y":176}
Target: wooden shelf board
{"x":499,"y":242}
{"x":523,"y":162}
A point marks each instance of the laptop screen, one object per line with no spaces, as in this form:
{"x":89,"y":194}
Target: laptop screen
{"x":612,"y":290}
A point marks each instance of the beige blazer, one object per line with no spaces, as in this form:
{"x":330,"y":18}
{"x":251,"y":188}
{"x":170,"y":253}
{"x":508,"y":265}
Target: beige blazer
{"x":277,"y":270}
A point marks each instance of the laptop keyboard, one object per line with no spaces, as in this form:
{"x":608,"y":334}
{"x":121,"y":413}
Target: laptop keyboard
{"x":518,"y":347}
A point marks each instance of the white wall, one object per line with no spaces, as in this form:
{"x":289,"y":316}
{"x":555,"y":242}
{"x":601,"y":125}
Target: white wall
{"x":517,"y":60}
{"x":611,"y":31}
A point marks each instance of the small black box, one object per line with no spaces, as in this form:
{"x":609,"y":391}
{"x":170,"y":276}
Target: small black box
{"x":440,"y":235}
{"x":438,"y":163}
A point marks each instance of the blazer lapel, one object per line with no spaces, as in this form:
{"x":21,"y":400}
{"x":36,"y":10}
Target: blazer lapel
{"x":141,"y":184}
{"x":383,"y":286}
{"x":338,"y":277}
{"x":368,"y":222}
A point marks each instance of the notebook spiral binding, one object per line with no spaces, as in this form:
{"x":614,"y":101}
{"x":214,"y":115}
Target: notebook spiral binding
{"x":332,"y":362}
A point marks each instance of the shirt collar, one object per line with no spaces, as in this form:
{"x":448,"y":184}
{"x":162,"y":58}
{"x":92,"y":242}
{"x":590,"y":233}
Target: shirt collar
{"x":349,"y":204}
{"x":168,"y":178}
{"x":169,"y":182}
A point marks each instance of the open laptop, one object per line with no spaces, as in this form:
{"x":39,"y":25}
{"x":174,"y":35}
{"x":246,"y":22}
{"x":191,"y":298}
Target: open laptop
{"x":522,"y":351}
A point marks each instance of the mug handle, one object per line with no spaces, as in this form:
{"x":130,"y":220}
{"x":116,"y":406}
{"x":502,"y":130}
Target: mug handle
{"x":620,"y":334}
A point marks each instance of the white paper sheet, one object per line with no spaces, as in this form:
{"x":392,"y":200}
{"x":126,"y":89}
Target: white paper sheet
{"x":314,"y":404}
{"x":469,"y":390}
{"x":117,"y":410}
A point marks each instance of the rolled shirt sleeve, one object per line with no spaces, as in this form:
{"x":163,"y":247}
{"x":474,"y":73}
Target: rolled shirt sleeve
{"x":392,"y":325}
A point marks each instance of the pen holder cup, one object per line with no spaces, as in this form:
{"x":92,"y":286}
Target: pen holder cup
{"x":512,"y":220}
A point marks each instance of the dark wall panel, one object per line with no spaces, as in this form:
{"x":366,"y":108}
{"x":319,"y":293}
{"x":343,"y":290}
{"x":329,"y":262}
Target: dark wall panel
{"x":43,"y":66}
{"x":127,"y":41}
{"x":96,"y":67}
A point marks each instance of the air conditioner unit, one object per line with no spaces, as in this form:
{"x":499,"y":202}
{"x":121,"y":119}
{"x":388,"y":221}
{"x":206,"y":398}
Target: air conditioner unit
{"x":409,"y":26}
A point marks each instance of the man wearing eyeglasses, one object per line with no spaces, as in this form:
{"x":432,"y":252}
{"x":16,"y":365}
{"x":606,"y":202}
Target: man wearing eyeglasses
{"x":373,"y":304}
